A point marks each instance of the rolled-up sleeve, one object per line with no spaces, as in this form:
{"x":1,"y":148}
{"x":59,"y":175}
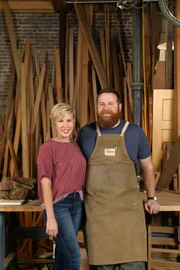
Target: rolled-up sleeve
{"x":45,"y":163}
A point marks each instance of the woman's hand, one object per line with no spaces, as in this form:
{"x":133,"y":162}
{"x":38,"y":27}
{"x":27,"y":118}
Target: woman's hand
{"x":52,"y":227}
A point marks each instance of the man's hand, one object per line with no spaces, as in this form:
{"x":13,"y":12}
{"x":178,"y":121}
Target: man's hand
{"x":152,"y":207}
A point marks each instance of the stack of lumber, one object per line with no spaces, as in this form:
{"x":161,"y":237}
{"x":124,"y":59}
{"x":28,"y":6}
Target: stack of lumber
{"x":33,"y":91}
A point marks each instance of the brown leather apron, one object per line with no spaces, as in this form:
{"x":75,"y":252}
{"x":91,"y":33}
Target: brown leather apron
{"x":115,"y":227}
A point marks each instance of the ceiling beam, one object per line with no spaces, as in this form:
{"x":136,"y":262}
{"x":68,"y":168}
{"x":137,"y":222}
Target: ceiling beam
{"x":43,"y":6}
{"x":61,"y":5}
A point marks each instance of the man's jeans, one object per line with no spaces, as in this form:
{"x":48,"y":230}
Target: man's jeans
{"x":68,"y":214}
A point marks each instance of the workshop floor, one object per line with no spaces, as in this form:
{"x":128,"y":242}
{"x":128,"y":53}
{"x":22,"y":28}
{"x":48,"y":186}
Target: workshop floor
{"x":84,"y":260}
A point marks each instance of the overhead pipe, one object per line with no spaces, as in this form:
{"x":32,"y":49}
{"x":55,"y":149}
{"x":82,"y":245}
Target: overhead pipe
{"x":137,"y":84}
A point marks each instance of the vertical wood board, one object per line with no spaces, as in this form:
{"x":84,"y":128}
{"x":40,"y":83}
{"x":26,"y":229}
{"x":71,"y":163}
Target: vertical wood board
{"x":163,"y":123}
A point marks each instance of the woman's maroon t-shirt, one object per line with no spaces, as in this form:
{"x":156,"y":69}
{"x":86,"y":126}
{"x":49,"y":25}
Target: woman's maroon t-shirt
{"x":62,"y":163}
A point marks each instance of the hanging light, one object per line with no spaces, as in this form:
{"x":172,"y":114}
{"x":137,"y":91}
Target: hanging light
{"x":163,"y":45}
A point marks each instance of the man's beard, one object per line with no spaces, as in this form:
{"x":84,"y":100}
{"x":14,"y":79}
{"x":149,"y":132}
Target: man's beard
{"x":108,"y":121}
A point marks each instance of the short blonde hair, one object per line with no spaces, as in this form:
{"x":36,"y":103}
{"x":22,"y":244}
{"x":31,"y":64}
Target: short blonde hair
{"x":60,"y":110}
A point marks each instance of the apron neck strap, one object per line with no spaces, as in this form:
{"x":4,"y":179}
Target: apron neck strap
{"x":98,"y":130}
{"x":124,"y":128}
{"x":122,"y":132}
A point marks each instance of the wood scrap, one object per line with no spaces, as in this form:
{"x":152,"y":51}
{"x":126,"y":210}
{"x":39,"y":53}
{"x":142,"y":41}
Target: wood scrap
{"x":170,"y":167}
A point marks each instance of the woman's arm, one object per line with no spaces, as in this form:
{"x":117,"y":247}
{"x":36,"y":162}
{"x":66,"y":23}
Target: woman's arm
{"x":51,"y":226}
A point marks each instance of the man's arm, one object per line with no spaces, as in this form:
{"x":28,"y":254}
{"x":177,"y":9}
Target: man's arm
{"x":151,"y":206}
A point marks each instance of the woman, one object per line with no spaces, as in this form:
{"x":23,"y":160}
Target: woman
{"x":61,"y":172}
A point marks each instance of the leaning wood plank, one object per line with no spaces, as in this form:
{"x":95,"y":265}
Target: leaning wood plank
{"x":84,"y":90}
{"x":66,"y":63}
{"x":120,"y":42}
{"x":51,"y":104}
{"x":30,"y":100}
{"x":27,"y":59}
{"x":38,"y":137}
{"x":48,"y":130}
{"x":78,"y":72}
{"x":103,"y":49}
{"x":123,"y":58}
{"x":31,"y":153}
{"x":177,"y":81}
{"x":145,"y":110}
{"x":16,"y":136}
{"x":170,"y":167}
{"x":2,"y":118}
{"x":94,"y":89}
{"x":50,"y":96}
{"x":107,"y":42}
{"x":74,"y":102}
{"x":46,"y":78}
{"x":8,"y":109}
{"x":84,"y":86}
{"x":30,"y":89}
{"x":150,"y":111}
{"x":12,"y":37}
{"x":129,"y":81}
{"x":9,"y":132}
{"x":6,"y":157}
{"x":27,"y":75}
{"x":125,"y":100}
{"x":43,"y":115}
{"x":71,"y":65}
{"x":13,"y":155}
{"x":117,"y":70}
{"x":18,"y":89}
{"x":25,"y":154}
{"x":38,"y":95}
{"x":92,"y":117}
{"x":58,"y":75}
{"x":37,"y":68}
{"x":91,"y":46}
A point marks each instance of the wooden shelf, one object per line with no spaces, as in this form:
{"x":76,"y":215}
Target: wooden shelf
{"x":43,"y":6}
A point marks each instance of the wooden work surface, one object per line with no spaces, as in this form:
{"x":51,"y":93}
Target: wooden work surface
{"x":29,"y":206}
{"x":168,"y":202}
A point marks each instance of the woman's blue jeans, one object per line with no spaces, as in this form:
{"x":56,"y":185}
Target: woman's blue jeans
{"x":68,"y":214}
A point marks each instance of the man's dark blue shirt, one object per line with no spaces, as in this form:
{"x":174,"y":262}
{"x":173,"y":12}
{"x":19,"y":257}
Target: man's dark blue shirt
{"x":136,"y":141}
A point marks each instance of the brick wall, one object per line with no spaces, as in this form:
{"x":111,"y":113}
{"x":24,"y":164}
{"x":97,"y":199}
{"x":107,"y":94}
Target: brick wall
{"x":42,"y":31}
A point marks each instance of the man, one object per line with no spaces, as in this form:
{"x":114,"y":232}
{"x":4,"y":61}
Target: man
{"x":115,"y":224}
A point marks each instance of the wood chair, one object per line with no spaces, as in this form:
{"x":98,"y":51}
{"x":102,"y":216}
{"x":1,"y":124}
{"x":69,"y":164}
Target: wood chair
{"x":163,"y":248}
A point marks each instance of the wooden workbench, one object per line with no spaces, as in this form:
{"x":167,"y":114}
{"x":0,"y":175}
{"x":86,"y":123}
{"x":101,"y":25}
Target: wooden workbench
{"x":168,"y":202}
